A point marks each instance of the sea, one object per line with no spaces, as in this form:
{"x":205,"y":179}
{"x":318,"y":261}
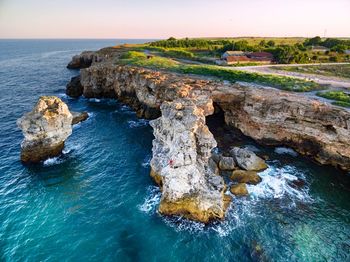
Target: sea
{"x":97,"y":202}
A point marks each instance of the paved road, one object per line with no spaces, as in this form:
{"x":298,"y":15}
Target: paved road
{"x":333,"y":82}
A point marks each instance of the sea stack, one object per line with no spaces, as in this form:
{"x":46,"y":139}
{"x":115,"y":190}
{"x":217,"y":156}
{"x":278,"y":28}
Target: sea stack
{"x":45,"y":129}
{"x":181,"y":151}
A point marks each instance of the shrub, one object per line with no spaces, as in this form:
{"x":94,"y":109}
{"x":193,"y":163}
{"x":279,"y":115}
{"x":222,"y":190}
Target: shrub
{"x":335,"y":95}
{"x":333,"y":59}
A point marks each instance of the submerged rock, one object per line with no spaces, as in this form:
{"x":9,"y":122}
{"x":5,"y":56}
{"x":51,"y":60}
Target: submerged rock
{"x":181,"y":151}
{"x":248,"y":177}
{"x":239,"y":189}
{"x":45,"y":129}
{"x":74,"y":88}
{"x":79,"y":117}
{"x":247,"y":160}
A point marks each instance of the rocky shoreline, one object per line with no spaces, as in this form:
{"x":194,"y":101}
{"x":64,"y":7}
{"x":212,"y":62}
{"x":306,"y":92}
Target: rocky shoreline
{"x":185,"y":165}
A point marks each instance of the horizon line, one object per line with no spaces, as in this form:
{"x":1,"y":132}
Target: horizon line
{"x":133,"y":38}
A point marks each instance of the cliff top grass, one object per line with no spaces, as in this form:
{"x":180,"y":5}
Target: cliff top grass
{"x":339,"y":98}
{"x":141,"y":59}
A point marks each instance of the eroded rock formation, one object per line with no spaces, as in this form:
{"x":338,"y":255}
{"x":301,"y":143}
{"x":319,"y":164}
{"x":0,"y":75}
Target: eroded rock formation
{"x":84,"y":60}
{"x":181,"y":151}
{"x":46,"y":128}
{"x":182,"y":162}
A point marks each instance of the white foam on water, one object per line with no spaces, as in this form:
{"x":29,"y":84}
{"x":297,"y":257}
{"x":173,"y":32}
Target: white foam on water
{"x":63,"y":95}
{"x":285,"y":151}
{"x":147,"y":161}
{"x":138,"y":123}
{"x":69,"y":147}
{"x":125,"y":108}
{"x":95,"y":100}
{"x":76,"y":126}
{"x":276,"y":183}
{"x":179,"y":224}
{"x":151,"y":201}
{"x":52,"y":161}
{"x":231,"y":222}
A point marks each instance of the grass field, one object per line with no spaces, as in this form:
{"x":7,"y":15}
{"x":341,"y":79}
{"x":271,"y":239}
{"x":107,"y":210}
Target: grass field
{"x":138,"y":58}
{"x":325,"y":70}
{"x":339,"y":98}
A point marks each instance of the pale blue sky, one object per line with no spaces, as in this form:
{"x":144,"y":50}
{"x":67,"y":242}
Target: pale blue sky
{"x":181,"y":18}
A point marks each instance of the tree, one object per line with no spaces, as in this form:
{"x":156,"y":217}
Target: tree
{"x":241,"y":45}
{"x":271,"y":43}
{"x":171,"y":39}
{"x":313,"y":41}
{"x":262,"y":43}
{"x":285,"y":54}
{"x":339,"y":49}
{"x":333,"y":59}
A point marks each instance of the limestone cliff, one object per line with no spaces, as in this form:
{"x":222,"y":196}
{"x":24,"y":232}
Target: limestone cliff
{"x":181,"y":162}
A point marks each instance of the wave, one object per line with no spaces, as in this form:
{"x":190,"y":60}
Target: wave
{"x":147,"y":161}
{"x":94,"y":100}
{"x":285,"y":151}
{"x":138,"y":123}
{"x":278,"y":183}
{"x":53,"y":161}
{"x":151,"y":201}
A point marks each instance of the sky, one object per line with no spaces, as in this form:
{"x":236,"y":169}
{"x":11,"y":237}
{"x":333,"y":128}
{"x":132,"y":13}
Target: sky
{"x":151,"y":19}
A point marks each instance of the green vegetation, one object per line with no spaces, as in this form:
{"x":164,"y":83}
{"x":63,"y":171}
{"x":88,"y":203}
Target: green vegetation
{"x":156,"y":62}
{"x":325,"y":70}
{"x":285,"y":50}
{"x":340,"y":98}
{"x":140,"y":59}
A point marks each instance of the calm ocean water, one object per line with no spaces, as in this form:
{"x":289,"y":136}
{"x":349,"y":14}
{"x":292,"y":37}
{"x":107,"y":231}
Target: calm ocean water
{"x":97,"y":202}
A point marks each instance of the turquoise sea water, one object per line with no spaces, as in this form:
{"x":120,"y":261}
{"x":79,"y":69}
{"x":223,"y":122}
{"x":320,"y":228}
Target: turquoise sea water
{"x":97,"y":202}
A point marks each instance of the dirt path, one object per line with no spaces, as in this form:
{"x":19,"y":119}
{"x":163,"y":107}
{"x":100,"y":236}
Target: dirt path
{"x":333,"y":82}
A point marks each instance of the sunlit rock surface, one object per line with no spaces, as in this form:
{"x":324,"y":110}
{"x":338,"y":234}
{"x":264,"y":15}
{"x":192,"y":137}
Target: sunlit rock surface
{"x":45,"y":129}
{"x":181,"y":150}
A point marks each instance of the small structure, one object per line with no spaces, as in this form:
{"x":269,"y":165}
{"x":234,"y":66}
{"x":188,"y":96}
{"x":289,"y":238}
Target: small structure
{"x":232,"y":53}
{"x":318,"y":48}
{"x":347,"y":52}
{"x":260,"y":57}
{"x":237,"y":57}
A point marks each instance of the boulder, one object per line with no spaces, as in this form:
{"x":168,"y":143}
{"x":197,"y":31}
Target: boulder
{"x":45,"y":129}
{"x":226,"y":163}
{"x":247,"y":159}
{"x":74,"y":88}
{"x":248,"y":177}
{"x":79,"y":117}
{"x":215,"y":156}
{"x":239,"y":189}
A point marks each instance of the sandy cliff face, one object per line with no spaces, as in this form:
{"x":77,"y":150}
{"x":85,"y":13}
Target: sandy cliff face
{"x":183,"y":143}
